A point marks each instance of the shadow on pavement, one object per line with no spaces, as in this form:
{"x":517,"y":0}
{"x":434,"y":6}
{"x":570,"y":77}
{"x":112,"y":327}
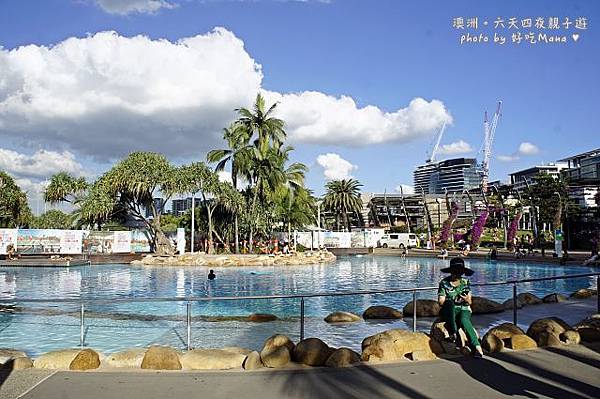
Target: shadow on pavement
{"x":352,"y":382}
{"x":511,"y":383}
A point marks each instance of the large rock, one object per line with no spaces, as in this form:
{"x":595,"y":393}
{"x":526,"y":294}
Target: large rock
{"x":253,"y":361}
{"x":86,"y":359}
{"x":18,"y":363}
{"x":554,"y":298}
{"x":381,"y":312}
{"x":7,"y":355}
{"x":277,"y":351}
{"x":397,"y":344}
{"x":342,"y":357}
{"x":584,"y":293}
{"x":529,"y":299}
{"x":68,"y":359}
{"x":550,"y":332}
{"x":129,"y":358}
{"x":236,"y":349}
{"x":211,"y":359}
{"x":312,"y":352}
{"x":278,"y":340}
{"x":261,"y":317}
{"x":342,"y":317}
{"x":503,"y":336}
{"x":508,"y":304}
{"x":439,"y":332}
{"x":482,"y":305}
{"x":276,"y":357}
{"x":425,"y":308}
{"x":589,"y":328}
{"x":161,"y":358}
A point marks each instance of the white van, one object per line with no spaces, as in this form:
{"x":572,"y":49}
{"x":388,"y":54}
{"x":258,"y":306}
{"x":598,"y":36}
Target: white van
{"x":398,"y":240}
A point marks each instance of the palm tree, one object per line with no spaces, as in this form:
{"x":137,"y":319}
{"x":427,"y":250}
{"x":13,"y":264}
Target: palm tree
{"x":238,"y":154}
{"x":261,"y":124}
{"x":343,"y":197}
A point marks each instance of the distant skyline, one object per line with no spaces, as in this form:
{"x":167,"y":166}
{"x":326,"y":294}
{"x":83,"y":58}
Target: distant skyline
{"x":363,"y":86}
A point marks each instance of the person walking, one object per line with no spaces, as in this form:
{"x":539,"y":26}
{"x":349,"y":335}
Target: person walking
{"x":454,"y":296}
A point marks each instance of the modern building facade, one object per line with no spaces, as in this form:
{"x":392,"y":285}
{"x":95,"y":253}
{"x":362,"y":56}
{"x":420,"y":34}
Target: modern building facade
{"x":521,"y":178}
{"x":452,"y":175}
{"x":180,"y":206}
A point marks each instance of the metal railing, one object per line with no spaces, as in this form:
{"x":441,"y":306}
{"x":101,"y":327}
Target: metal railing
{"x":302,"y":297}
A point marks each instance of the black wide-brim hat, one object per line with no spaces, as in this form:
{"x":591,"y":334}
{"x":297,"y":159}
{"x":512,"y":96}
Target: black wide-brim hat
{"x":457,"y":266}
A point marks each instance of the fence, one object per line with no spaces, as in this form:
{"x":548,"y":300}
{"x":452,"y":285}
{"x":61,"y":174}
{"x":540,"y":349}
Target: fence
{"x":302,"y":297}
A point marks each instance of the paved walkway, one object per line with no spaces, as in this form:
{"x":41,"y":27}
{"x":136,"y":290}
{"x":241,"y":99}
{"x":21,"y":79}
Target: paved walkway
{"x":561,"y":373}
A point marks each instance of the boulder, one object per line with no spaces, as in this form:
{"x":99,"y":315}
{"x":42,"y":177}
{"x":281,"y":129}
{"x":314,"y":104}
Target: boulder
{"x":439,"y":332}
{"x":312,"y":352}
{"x":342,"y":357}
{"x":419,"y":355}
{"x":584,"y":293}
{"x":482,"y":305}
{"x":276,"y":341}
{"x":570,"y":337}
{"x":275,"y":357}
{"x":492,"y":344}
{"x":548,"y":332}
{"x":7,"y":355}
{"x":161,"y":358}
{"x":68,"y":359}
{"x":521,"y":341}
{"x":18,"y":363}
{"x":381,"y":312}
{"x":86,"y":359}
{"x":554,"y":298}
{"x":211,"y":359}
{"x":505,"y":336}
{"x":589,"y":328}
{"x":425,"y":308}
{"x":528,"y":299}
{"x":252,"y":361}
{"x":508,"y":304}
{"x":398,"y":344}
{"x":261,"y":317}
{"x":130,"y":358}
{"x":342,"y":317}
{"x":236,"y":349}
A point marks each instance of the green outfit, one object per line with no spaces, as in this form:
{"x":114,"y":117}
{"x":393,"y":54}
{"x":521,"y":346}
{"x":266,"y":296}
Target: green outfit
{"x":455,"y":313}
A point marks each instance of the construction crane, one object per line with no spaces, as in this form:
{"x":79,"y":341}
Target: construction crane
{"x":489,"y":131}
{"x":436,"y":145}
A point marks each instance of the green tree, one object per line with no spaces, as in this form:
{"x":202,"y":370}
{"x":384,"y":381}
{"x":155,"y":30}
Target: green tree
{"x":52,"y":219}
{"x":14,"y":210}
{"x":295,"y":208}
{"x":130,"y":186}
{"x":64,"y":187}
{"x":343,"y":198}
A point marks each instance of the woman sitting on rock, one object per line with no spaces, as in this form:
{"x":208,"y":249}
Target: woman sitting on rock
{"x":454,"y":296}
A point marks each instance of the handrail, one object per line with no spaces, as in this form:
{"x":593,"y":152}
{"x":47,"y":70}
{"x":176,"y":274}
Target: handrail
{"x":289,"y":296}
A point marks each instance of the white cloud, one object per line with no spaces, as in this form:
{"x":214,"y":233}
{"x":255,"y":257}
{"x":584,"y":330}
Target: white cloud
{"x":41,"y":164}
{"x":106,"y":95}
{"x":124,"y":7}
{"x":527,"y":148}
{"x":335,"y":167}
{"x":458,"y":147}
{"x":406,"y":189}
{"x":318,"y":118}
{"x":225,"y":176}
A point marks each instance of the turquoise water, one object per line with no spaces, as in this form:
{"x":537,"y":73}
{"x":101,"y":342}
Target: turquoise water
{"x":110,"y":326}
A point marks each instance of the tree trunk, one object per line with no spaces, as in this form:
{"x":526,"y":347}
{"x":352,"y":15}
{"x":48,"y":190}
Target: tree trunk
{"x":251,"y":236}
{"x":209,"y":211}
{"x":237,"y":235}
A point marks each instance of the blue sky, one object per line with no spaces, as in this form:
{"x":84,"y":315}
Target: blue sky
{"x":381,"y":54}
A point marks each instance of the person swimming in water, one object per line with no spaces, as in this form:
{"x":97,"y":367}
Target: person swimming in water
{"x":212,"y":275}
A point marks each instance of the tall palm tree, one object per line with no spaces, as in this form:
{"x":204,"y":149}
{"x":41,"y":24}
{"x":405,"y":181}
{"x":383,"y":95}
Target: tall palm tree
{"x":238,"y":154}
{"x":261,"y":125}
{"x":342,"y":198}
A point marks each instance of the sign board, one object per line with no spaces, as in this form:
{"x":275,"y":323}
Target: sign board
{"x":7,"y":237}
{"x":181,"y":240}
{"x":121,"y":242}
{"x":71,"y":241}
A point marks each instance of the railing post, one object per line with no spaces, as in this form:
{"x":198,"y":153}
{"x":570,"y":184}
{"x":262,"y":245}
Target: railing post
{"x":82,"y":326}
{"x":515,"y":304}
{"x":414,"y":311}
{"x":598,"y":293}
{"x":301,"y":318}
{"x":189,"y":325}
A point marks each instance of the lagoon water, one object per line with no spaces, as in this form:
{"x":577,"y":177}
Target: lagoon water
{"x":115,"y":325}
